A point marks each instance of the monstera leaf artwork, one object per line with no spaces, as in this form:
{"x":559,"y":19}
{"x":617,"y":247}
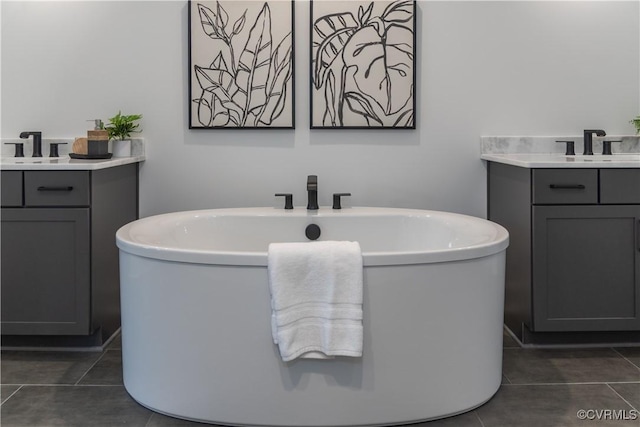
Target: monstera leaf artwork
{"x":241,"y":64}
{"x":362,"y":59}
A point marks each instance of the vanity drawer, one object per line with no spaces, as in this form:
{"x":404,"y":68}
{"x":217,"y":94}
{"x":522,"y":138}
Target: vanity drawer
{"x":56,"y":188}
{"x":620,"y":186}
{"x":11,"y":191}
{"x":565,"y":186}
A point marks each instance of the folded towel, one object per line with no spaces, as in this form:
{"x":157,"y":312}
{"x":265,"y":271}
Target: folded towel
{"x":316,"y":299}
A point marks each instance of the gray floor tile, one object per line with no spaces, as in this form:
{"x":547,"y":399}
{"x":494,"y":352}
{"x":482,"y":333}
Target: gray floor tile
{"x":525,"y":366}
{"x":508,"y":341}
{"x":552,"y":405}
{"x":538,"y":398}
{"x":45,"y":367}
{"x":7,"y":390}
{"x":631,"y":353}
{"x":630,"y":392}
{"x":116,"y":343}
{"x":107,"y":371}
{"x":73,"y":406}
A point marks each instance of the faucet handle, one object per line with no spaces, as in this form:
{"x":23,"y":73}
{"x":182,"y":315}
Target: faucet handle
{"x":606,"y":147}
{"x":19,"y":148}
{"x":53,"y":149}
{"x":570,"y":151}
{"x":288,"y":199}
{"x":336,"y":199}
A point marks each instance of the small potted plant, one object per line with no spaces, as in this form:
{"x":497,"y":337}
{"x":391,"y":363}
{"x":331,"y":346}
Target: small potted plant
{"x":636,"y":123}
{"x":120,"y":128}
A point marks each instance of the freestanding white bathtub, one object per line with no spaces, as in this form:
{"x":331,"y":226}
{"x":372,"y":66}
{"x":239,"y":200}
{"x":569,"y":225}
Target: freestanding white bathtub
{"x":196,"y":337}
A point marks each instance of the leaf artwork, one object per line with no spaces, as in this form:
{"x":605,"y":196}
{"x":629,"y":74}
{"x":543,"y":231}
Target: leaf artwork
{"x":242,"y":79}
{"x":363,"y":64}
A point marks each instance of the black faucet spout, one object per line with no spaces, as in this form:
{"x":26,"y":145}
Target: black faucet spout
{"x":37,"y":142}
{"x":312,"y":191}
{"x":588,"y":140}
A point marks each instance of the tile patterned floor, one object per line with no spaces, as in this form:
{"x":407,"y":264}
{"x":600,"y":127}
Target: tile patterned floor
{"x":540,"y":388}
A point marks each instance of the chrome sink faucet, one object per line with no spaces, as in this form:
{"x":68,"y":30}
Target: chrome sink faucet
{"x":588,"y":140}
{"x":312,"y":191}
{"x":37,"y":142}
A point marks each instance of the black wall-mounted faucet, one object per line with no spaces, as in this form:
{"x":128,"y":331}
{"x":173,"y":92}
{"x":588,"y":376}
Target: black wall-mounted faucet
{"x":37,"y":142}
{"x":312,"y":191}
{"x":588,"y":140}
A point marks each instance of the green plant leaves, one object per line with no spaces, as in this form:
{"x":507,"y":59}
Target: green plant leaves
{"x":122,"y":126}
{"x":636,"y":123}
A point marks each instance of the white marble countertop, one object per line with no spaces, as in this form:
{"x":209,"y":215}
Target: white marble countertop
{"x":545,"y":152}
{"x":554,"y":160}
{"x":64,"y":163}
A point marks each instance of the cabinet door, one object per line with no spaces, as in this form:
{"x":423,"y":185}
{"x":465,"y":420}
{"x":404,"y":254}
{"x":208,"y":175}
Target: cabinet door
{"x":11,"y":188}
{"x":45,"y":271}
{"x":586,"y":268}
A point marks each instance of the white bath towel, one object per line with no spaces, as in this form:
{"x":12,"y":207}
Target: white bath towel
{"x":316,"y":299}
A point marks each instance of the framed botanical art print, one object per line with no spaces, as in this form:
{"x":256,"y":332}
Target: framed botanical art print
{"x":241,"y":64}
{"x":363,"y":64}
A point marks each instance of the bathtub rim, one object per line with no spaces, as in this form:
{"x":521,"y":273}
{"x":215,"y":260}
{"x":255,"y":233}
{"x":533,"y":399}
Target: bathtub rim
{"x":259,"y":259}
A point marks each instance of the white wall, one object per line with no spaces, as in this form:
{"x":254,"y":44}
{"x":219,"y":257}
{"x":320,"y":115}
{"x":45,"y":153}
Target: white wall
{"x":484,"y":68}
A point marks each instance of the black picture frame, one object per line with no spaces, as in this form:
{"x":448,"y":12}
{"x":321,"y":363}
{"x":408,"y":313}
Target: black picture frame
{"x":362,"y":60}
{"x":241,"y":64}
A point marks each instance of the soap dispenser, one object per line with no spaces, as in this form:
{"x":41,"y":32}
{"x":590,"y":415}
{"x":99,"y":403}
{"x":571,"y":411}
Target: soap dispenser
{"x":98,"y":140}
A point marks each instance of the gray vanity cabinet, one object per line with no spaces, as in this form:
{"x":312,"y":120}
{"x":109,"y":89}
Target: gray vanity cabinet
{"x":45,"y":271}
{"x":573,"y":264}
{"x":586,"y":268}
{"x":59,"y":260}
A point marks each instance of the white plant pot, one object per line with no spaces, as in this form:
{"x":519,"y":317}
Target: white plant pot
{"x":121,"y":148}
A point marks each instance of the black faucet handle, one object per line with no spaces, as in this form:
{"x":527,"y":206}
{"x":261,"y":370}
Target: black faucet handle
{"x":606,"y":147}
{"x":288,"y":199}
{"x":53,"y":149}
{"x":19,"y":148}
{"x":570,"y":151}
{"x":336,"y":199}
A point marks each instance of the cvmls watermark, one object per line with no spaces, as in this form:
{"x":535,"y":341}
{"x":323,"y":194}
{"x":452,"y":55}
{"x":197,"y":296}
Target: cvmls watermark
{"x":608,"y":414}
